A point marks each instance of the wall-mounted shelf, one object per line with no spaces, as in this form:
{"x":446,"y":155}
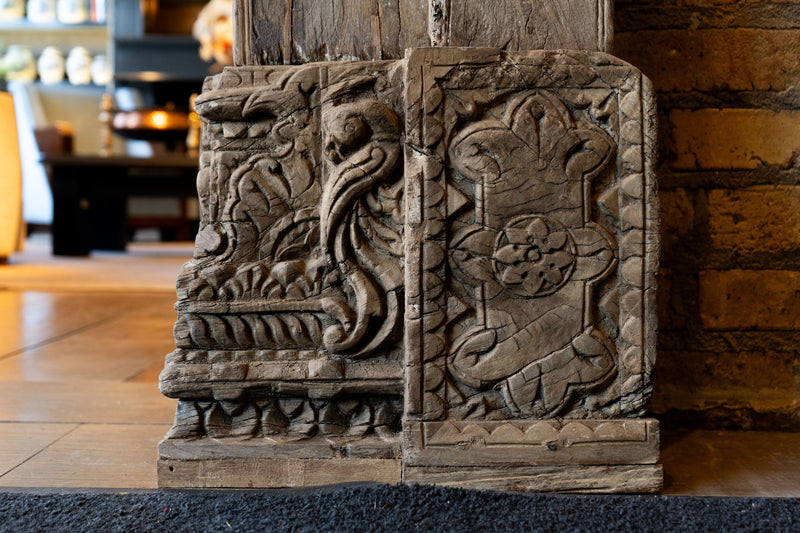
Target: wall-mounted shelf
{"x":25,"y":25}
{"x":63,"y":36}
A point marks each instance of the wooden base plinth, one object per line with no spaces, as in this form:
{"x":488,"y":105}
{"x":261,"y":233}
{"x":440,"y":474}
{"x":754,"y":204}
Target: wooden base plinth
{"x":555,"y":455}
{"x":585,"y":456}
{"x":563,"y":478}
{"x":281,"y":462}
{"x":273,"y":473}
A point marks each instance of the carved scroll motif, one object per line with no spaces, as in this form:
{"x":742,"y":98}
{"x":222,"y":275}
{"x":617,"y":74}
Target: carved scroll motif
{"x":362,"y":148}
{"x":298,"y":262}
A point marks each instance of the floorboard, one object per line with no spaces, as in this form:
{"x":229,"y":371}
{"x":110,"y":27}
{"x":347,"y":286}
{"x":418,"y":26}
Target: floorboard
{"x":80,"y":406}
{"x":94,"y":456}
{"x":20,"y":441}
{"x":82,"y":402}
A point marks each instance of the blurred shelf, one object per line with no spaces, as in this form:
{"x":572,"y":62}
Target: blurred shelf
{"x":63,"y":36}
{"x":25,"y":25}
{"x":159,"y":59}
{"x":158,"y":40}
{"x":153,"y":76}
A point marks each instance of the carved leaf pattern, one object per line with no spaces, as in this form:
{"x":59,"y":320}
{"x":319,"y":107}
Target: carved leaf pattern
{"x":517,"y":164}
{"x":289,"y":417}
{"x":471,"y":250}
{"x":541,"y":389}
{"x":247,"y":331}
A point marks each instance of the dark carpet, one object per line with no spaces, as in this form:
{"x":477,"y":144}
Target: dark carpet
{"x":384,"y":508}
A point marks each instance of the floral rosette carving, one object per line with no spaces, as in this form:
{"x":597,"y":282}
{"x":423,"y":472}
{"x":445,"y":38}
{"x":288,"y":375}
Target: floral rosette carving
{"x":533,"y":256}
{"x":527,"y":258}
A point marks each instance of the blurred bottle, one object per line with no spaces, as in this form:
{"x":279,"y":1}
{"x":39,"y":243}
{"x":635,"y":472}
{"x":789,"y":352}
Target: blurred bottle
{"x":51,"y":66}
{"x":79,"y":66}
{"x":101,"y":70}
{"x":72,"y":11}
{"x":41,"y":11}
{"x":19,"y":63}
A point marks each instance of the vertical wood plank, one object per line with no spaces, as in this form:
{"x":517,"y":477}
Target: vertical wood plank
{"x":288,"y":44}
{"x":299,"y":31}
{"x":331,"y":29}
{"x":525,"y":25}
{"x":262,"y":34}
{"x":242,"y":36}
{"x":412,"y":29}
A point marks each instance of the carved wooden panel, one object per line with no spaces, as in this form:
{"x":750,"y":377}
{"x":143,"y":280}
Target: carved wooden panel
{"x":299,"y":31}
{"x":531,"y":242}
{"x":289,"y":315}
{"x":448,"y":258}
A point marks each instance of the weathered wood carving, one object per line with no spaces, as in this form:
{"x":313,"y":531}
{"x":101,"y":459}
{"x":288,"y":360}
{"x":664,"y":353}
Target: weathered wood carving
{"x":534,"y":229}
{"x":290,"y":312}
{"x":299,"y":31}
{"x":421,"y":269}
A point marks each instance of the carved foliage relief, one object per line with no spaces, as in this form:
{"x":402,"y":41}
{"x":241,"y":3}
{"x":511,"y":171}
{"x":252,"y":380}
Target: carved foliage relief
{"x":533,"y":227}
{"x":296,"y":287}
{"x":472,"y":230}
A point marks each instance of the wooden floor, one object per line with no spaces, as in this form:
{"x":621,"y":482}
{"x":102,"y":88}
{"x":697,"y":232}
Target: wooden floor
{"x":80,"y":407}
{"x":79,"y":400}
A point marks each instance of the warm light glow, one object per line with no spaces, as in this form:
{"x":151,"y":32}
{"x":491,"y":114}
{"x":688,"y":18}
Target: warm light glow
{"x":151,"y":76}
{"x":160,"y":119}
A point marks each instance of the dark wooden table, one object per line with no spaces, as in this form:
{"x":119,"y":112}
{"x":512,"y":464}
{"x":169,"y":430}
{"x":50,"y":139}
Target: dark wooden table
{"x":90,"y":194}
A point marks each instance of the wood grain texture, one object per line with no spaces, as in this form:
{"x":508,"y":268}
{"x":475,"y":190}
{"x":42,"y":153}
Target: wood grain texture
{"x":84,"y":402}
{"x":243,"y":43}
{"x":280,"y":447}
{"x":564,"y":478}
{"x":92,"y":352}
{"x":31,"y":320}
{"x":233,"y":473}
{"x":299,"y":31}
{"x":94,"y":455}
{"x":324,"y":30}
{"x":21,"y":441}
{"x":524,"y":25}
{"x":265,"y":43}
{"x":732,"y":463}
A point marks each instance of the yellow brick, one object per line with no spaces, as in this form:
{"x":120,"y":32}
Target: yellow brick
{"x":733,"y":138}
{"x":750,"y":299}
{"x":739,"y":59}
{"x":765,"y":218}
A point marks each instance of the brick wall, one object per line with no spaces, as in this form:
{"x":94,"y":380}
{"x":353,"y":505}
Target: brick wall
{"x":727,"y":74}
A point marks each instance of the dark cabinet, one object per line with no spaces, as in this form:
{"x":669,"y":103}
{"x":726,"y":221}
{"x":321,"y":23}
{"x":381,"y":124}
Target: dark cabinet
{"x":154,"y":50}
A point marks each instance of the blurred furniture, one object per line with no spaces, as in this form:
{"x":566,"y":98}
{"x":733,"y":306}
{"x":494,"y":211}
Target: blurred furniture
{"x":10,"y":180}
{"x":43,"y":106}
{"x":91,"y":192}
{"x":46,"y":114}
{"x":150,"y":45}
{"x":154,"y":51}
